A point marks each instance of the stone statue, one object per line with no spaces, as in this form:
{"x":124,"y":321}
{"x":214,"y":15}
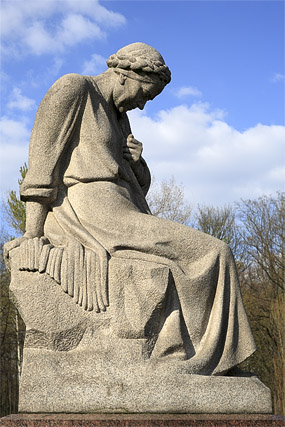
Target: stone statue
{"x":123,"y":309}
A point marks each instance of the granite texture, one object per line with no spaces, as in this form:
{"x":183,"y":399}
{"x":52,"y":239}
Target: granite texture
{"x":88,"y":380}
{"x":75,"y":361}
{"x":123,"y":310}
{"x":141,"y":420}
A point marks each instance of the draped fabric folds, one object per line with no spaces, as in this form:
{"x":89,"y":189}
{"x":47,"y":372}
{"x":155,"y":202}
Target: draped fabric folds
{"x":97,"y":210}
{"x":80,"y":267}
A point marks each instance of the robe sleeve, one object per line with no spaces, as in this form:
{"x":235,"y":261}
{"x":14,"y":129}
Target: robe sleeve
{"x":57,"y":118}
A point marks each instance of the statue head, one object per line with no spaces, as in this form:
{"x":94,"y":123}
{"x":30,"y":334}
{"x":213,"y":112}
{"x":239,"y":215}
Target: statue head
{"x":145,"y":71}
{"x":141,"y":61}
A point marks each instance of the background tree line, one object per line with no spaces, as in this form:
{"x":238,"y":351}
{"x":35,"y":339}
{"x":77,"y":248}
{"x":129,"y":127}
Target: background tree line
{"x":255,"y":231}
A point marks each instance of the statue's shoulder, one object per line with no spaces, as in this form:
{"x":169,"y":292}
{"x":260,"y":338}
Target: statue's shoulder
{"x":72,"y":79}
{"x":70,"y":85}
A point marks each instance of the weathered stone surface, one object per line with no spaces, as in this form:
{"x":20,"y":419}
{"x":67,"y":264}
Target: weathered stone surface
{"x":123,"y":309}
{"x":75,"y":360}
{"x":88,"y":379}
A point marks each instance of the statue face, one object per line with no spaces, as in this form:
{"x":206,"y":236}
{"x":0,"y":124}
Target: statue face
{"x":129,"y":93}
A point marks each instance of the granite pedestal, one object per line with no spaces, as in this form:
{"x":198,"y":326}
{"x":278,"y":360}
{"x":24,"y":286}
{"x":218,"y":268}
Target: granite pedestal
{"x":141,"y":420}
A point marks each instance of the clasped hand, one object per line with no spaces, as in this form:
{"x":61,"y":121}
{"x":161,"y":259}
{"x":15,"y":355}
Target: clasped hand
{"x":132,"y":150}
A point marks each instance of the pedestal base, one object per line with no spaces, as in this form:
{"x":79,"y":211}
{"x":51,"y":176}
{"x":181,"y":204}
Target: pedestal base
{"x":79,"y":382}
{"x":141,"y":420}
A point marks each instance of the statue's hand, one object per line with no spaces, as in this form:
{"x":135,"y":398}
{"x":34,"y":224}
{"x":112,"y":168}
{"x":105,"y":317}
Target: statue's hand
{"x":9,"y":246}
{"x":133,"y":149}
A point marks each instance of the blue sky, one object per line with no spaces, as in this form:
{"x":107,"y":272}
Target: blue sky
{"x":218,"y":127}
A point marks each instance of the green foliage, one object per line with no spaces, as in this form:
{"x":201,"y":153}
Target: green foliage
{"x":15,"y":208}
{"x":11,"y":340}
{"x":12,"y":327}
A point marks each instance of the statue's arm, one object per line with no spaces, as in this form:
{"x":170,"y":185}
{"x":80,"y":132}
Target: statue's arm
{"x":56,"y":121}
{"x":35,"y":218}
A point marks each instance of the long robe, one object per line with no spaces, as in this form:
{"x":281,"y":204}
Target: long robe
{"x":96,"y":197}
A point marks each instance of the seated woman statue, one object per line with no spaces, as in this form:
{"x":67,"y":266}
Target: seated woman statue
{"x":85,"y":197}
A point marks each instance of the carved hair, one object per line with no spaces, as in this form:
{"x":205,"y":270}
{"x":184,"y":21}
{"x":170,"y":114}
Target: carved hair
{"x":140,"y":58}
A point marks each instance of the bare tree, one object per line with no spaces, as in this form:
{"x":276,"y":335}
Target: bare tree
{"x":222,"y":223}
{"x":166,"y":200}
{"x":263,"y":234}
{"x":263,"y":287}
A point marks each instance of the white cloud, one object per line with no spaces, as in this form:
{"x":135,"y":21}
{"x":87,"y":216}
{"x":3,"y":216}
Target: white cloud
{"x":72,"y":30}
{"x":14,"y":135}
{"x":19,"y":101}
{"x":37,"y":39}
{"x":50,"y":26}
{"x":216,"y":163}
{"x":95,"y":65}
{"x":96,"y":11}
{"x":278,"y":77}
{"x":76,"y":28}
{"x":188,"y":91}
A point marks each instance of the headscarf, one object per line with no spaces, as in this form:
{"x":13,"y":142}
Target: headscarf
{"x":140,"y":61}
